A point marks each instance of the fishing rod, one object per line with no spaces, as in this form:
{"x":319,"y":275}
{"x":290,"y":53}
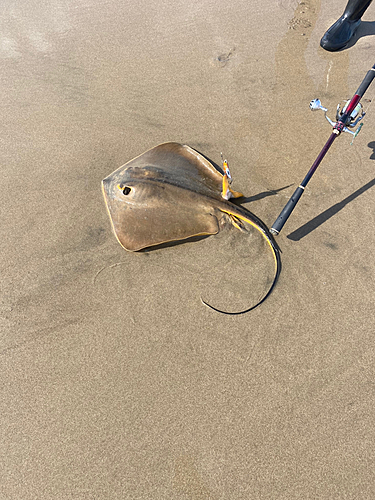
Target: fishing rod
{"x":347,"y":117}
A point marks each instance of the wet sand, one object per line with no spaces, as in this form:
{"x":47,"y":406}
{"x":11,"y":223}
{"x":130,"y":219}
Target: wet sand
{"x":116,"y":382}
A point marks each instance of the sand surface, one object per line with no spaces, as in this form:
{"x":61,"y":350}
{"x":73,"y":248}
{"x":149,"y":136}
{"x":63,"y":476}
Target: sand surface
{"x":115,"y":381}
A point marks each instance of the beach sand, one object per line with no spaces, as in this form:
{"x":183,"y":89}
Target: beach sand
{"x":116,"y":381}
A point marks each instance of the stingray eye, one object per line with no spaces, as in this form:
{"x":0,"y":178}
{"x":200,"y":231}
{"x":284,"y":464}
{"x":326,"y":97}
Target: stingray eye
{"x":126,"y":190}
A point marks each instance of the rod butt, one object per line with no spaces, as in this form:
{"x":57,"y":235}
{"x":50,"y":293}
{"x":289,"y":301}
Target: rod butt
{"x":286,"y":211}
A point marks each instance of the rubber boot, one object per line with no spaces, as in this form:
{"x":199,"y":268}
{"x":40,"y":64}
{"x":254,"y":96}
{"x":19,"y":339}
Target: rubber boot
{"x":340,"y":33}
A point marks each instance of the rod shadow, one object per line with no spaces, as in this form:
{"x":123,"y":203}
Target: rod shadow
{"x":307,"y":228}
{"x":259,"y":196}
{"x":244,"y":199}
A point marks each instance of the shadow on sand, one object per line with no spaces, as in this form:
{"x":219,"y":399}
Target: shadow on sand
{"x":307,"y":228}
{"x":366,"y":28}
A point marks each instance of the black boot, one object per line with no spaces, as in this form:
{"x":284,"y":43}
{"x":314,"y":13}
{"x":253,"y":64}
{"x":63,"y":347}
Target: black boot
{"x":339,"y":34}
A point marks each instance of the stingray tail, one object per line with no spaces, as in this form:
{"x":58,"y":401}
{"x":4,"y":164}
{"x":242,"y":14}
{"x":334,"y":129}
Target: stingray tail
{"x":259,"y":225}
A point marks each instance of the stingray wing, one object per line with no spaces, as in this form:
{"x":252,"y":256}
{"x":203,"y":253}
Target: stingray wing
{"x":163,"y":195}
{"x":175,"y":164}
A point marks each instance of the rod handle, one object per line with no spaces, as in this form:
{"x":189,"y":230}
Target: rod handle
{"x":286,"y":211}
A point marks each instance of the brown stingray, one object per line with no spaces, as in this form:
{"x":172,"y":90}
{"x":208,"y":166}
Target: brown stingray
{"x":171,"y":193}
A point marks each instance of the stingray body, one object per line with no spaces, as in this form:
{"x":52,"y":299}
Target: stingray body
{"x":171,"y":193}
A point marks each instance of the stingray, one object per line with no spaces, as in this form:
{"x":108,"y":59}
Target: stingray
{"x":171,"y":193}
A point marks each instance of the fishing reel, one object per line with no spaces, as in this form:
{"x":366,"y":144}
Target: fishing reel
{"x":352,"y":121}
